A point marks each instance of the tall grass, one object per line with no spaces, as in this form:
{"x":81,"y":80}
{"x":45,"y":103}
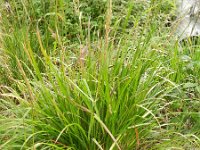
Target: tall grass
{"x":122,"y":87}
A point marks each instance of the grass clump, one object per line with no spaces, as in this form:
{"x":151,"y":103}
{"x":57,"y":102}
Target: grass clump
{"x":106,"y":83}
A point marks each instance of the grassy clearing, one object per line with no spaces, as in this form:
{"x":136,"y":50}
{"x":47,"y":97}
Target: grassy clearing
{"x":96,"y":75}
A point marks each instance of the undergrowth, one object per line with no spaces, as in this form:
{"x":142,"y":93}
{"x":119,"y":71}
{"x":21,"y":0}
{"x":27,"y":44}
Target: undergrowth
{"x":96,"y":75}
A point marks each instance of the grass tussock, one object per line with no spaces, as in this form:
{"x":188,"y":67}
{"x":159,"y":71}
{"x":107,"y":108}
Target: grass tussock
{"x":96,"y":75}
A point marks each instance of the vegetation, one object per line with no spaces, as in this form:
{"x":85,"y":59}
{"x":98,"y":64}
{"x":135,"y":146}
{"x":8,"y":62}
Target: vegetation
{"x":96,"y":74}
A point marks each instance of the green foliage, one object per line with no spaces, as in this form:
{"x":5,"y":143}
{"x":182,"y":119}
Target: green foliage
{"x":77,"y":76}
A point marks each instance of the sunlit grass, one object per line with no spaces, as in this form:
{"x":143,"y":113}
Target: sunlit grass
{"x":128,"y":86}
